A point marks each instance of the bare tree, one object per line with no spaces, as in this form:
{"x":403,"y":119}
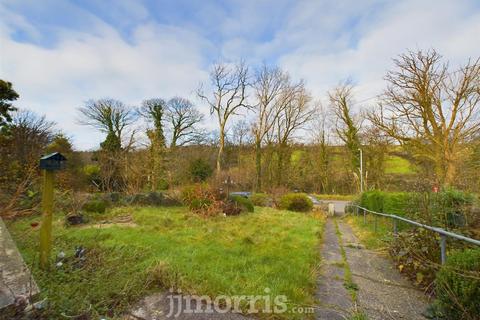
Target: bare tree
{"x":27,"y":138}
{"x":112,"y":117}
{"x":295,"y":113}
{"x":241,"y":133}
{"x":321,"y":130}
{"x":107,"y":115}
{"x":227,"y":98}
{"x":183,"y":119}
{"x":432,"y":111}
{"x":270,"y":88}
{"x":347,"y":123}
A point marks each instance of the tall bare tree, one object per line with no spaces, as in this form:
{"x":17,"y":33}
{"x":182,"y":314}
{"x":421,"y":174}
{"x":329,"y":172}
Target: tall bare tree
{"x":183,"y":119}
{"x":347,"y":123}
{"x":432,"y":111}
{"x":295,"y":113}
{"x":241,"y":133}
{"x":270,"y":88}
{"x":321,"y":130}
{"x":111,"y":117}
{"x":228,"y":97}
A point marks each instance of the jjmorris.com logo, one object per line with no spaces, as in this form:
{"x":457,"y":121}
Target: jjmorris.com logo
{"x":179,"y":304}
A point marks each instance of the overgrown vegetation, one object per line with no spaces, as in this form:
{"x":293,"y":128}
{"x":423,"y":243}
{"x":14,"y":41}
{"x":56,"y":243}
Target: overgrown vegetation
{"x":261,"y":200}
{"x":458,"y":286}
{"x":170,"y":247}
{"x":416,"y":251}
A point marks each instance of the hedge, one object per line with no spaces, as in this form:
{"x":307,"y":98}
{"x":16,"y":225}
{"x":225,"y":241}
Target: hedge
{"x":457,"y":285}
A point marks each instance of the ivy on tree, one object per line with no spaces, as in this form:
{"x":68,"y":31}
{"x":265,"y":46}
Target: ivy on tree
{"x":7,"y":94}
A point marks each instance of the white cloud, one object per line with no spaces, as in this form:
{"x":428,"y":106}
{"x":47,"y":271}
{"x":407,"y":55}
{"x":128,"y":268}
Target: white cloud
{"x":451,"y":27}
{"x":161,"y":61}
{"x":323,"y":42}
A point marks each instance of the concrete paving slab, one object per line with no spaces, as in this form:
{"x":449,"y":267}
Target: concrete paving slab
{"x":383,"y":292}
{"x":334,"y":300}
{"x":16,"y":281}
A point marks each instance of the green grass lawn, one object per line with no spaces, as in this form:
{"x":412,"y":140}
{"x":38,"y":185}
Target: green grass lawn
{"x":171,"y":247}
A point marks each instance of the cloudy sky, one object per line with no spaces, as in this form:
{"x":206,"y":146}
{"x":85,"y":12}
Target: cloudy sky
{"x":59,"y":54}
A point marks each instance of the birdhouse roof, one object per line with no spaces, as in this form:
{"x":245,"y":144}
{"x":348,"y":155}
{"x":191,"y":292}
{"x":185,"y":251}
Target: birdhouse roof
{"x":54,"y":156}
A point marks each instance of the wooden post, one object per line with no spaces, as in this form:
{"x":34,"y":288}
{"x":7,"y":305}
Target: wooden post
{"x":46,"y":226}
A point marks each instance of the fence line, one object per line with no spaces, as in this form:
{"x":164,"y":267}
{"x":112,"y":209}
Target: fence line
{"x":442,"y":232}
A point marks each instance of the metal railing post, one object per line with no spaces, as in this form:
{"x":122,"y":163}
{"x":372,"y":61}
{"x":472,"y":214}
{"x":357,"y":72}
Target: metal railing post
{"x":375,"y":226}
{"x":395,"y":228}
{"x":364,"y":216}
{"x":443,"y":248}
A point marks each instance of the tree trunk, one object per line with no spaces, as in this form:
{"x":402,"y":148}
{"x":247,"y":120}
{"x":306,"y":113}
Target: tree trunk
{"x":258,"y":165}
{"x":281,"y":165}
{"x":220,"y":149}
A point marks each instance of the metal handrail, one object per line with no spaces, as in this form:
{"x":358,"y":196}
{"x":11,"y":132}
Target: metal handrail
{"x":443,"y":233}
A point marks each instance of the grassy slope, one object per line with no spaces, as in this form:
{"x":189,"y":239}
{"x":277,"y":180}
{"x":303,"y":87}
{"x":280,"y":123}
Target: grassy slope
{"x":171,"y":247}
{"x":398,"y":165}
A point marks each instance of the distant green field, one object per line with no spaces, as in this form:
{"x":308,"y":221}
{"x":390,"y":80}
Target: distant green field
{"x":398,"y":165}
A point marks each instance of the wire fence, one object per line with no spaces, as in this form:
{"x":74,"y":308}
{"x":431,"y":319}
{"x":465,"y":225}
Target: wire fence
{"x":358,"y":210}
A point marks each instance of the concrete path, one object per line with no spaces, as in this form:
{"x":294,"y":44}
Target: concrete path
{"x":335,"y":300}
{"x":383,"y":292}
{"x":163,"y":306}
{"x":339,"y":205}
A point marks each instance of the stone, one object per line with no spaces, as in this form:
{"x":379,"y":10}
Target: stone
{"x":16,"y":282}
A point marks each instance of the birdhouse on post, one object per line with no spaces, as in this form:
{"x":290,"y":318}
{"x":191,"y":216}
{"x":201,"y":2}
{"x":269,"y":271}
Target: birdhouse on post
{"x":53,"y":161}
{"x":48,"y":164}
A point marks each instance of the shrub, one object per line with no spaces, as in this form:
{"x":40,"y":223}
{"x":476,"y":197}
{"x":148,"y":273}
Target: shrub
{"x":296,"y":202}
{"x":416,"y":253}
{"x":200,"y":170}
{"x":244,"y":203}
{"x":261,"y":200}
{"x":95,"y":205}
{"x":458,"y":285}
{"x":201,"y":199}
{"x":231,"y":208}
{"x":112,"y":197}
{"x":450,"y":207}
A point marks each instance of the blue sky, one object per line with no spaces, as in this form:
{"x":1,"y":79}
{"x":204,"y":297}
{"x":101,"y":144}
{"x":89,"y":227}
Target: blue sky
{"x":58,"y":53}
